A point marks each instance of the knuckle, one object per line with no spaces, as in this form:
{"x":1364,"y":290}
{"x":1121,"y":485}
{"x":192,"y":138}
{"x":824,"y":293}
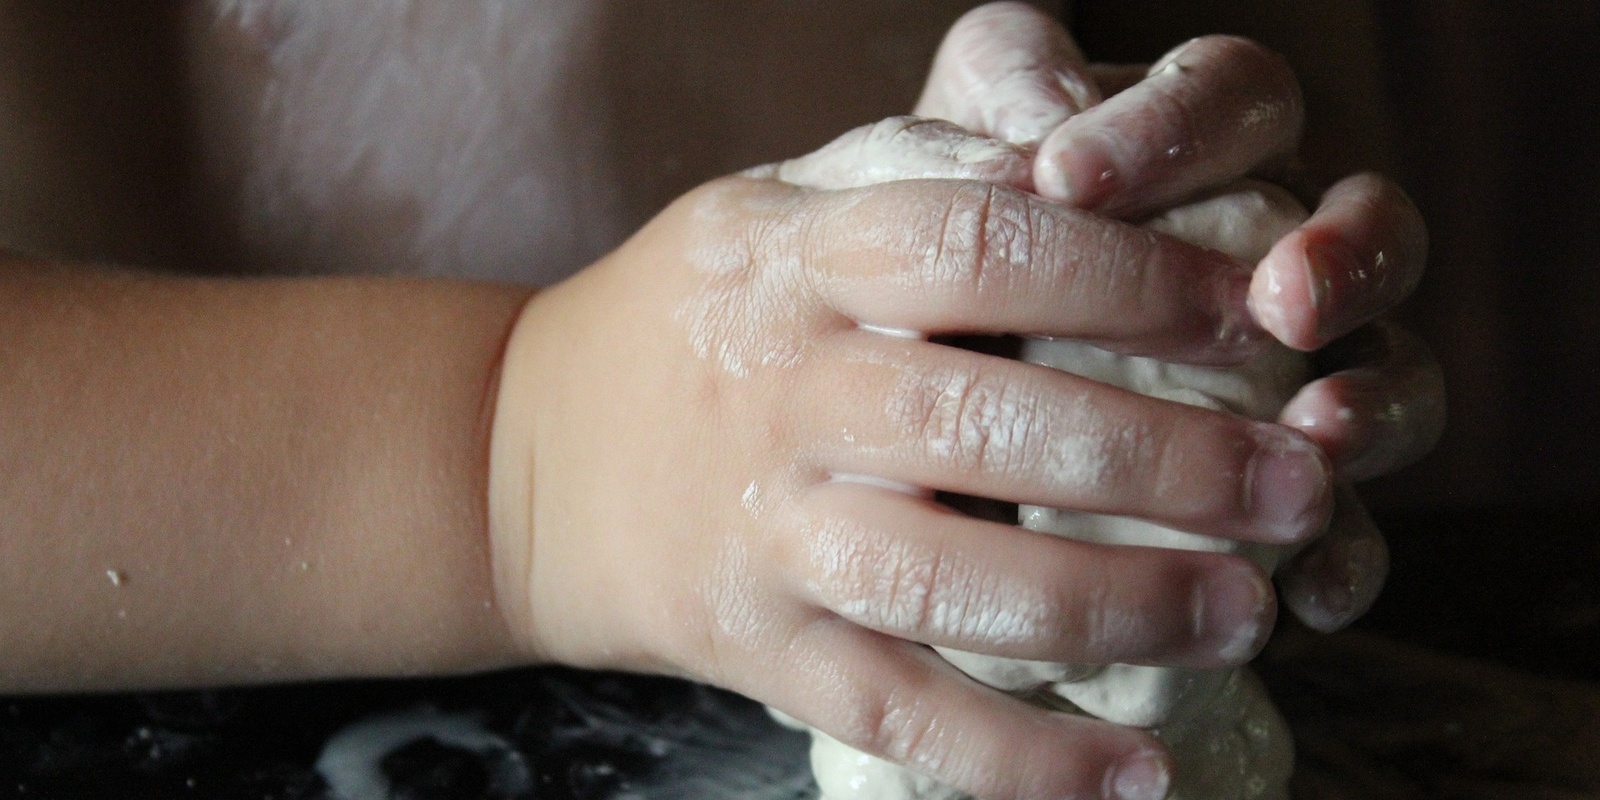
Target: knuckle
{"x":986,"y":234}
{"x":972,"y":422}
{"x":875,"y":580}
{"x":922,"y":592}
{"x":896,"y":725}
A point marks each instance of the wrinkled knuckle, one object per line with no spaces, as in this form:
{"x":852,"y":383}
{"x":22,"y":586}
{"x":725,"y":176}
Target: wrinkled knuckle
{"x":985,"y":240}
{"x":909,"y":589}
{"x":971,"y":422}
{"x":873,"y":579}
{"x":894,"y":726}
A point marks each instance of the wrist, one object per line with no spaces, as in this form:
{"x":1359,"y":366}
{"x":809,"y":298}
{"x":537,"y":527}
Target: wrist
{"x":514,"y":395}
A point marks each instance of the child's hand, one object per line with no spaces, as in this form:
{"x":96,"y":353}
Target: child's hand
{"x":693,"y":411}
{"x":690,"y":412}
{"x":1124,"y":140}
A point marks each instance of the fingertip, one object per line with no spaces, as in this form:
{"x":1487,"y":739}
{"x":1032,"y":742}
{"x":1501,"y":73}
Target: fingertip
{"x":1075,"y":170}
{"x":1327,"y":412}
{"x":1289,"y":485}
{"x":1235,"y":609}
{"x":1143,"y":775}
{"x":1360,"y":254}
{"x":1010,"y":71}
{"x":1336,"y":581}
{"x":1284,"y":296}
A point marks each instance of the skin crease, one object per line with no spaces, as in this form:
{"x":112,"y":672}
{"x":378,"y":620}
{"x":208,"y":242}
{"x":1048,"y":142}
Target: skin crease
{"x":298,"y":180}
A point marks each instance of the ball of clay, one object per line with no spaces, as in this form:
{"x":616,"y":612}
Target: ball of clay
{"x":1228,"y":741}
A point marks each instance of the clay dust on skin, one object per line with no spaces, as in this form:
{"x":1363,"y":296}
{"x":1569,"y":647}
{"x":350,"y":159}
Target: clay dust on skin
{"x":880,"y":581}
{"x":751,"y":308}
{"x":1249,"y":755}
{"x":964,"y":420}
{"x":1004,"y":83}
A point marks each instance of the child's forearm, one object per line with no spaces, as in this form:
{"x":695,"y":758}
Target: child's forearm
{"x":208,"y":481}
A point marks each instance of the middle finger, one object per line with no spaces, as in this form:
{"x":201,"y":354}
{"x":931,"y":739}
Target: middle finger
{"x":922,"y":414}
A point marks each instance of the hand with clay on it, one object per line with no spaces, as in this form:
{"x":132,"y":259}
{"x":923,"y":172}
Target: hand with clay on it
{"x":711,"y":447}
{"x":722,"y":477}
{"x":1125,"y":141}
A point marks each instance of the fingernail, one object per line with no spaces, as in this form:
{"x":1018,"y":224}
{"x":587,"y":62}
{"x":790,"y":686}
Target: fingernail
{"x":1233,"y":611}
{"x":1288,"y":490}
{"x":1143,"y":776}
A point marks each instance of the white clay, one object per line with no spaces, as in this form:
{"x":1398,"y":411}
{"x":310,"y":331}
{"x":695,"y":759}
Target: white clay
{"x":351,"y":759}
{"x":1228,"y":741}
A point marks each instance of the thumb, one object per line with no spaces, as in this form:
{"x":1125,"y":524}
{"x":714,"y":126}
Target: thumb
{"x":1010,"y":71}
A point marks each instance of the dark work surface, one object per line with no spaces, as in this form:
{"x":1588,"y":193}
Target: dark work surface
{"x":1518,"y":586}
{"x":577,"y":735}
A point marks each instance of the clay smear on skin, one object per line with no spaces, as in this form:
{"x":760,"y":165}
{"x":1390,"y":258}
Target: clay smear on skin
{"x":881,"y":582}
{"x":750,"y":310}
{"x":1004,"y":430}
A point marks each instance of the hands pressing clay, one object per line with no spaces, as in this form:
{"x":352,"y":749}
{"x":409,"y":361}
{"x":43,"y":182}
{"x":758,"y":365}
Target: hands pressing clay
{"x":1227,"y":740}
{"x":779,"y":537}
{"x":1225,"y":737}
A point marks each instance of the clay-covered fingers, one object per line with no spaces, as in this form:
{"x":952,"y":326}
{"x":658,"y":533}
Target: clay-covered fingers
{"x":1362,"y":251}
{"x":1213,"y":109}
{"x":1381,"y":407}
{"x":968,"y":257}
{"x":922,"y":414}
{"x":901,"y":702}
{"x":1010,"y":71}
{"x":905,"y":566}
{"x":1337,"y":578}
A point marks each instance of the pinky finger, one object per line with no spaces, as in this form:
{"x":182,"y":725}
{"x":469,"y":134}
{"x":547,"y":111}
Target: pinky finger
{"x":1337,"y":578}
{"x":903,"y":703}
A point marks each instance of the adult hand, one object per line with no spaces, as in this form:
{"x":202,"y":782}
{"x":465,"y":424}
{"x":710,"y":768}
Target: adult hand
{"x":1125,"y":141}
